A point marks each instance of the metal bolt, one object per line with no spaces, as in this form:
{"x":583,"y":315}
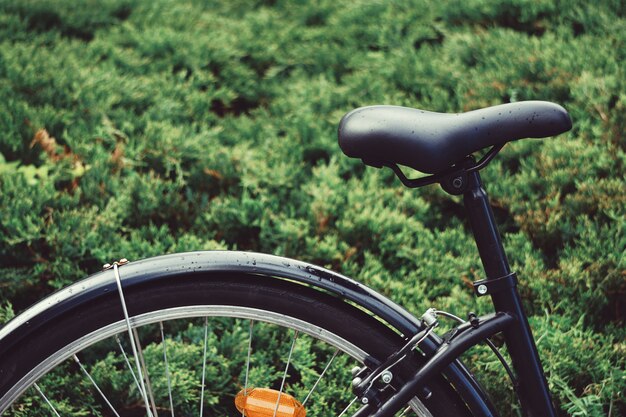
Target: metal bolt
{"x":457,"y":182}
{"x":482,"y":289}
{"x":123,"y":261}
{"x":474,"y":321}
{"x":106,"y":266}
{"x":356,"y":382}
{"x":364,"y":400}
{"x":355,"y":370}
{"x":386,"y":377}
{"x":430,"y":317}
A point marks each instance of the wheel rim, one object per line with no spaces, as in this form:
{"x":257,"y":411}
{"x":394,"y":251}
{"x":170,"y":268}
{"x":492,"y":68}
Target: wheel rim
{"x":189,"y":312}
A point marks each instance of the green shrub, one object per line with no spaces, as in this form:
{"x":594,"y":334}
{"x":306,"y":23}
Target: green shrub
{"x":131,"y":128}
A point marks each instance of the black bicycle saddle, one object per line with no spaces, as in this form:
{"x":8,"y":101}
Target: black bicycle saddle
{"x":432,"y":142}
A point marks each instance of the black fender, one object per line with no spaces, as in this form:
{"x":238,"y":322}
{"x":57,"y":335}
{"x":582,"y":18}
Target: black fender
{"x":184,"y":264}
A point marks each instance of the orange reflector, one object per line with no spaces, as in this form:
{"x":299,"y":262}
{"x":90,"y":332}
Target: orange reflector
{"x":261,"y":402}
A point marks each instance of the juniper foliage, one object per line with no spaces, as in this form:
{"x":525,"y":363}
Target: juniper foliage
{"x":135,"y":128}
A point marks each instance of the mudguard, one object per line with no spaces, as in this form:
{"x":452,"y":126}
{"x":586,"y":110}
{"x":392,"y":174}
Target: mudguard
{"x":183,"y":264}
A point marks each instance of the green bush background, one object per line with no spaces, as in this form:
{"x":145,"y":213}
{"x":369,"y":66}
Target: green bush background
{"x":186,"y":125}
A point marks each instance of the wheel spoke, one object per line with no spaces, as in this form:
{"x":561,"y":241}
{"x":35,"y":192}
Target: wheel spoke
{"x":93,"y":382}
{"x":167,"y":369}
{"x":345,"y":410}
{"x":128,"y":365}
{"x":146,"y":374}
{"x":406,"y":412}
{"x":245,"y":384}
{"x":321,"y":376}
{"x":206,"y":332}
{"x":46,"y":400}
{"x":282,"y":384}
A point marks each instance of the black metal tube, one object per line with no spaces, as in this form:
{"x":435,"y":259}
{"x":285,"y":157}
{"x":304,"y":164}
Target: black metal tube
{"x":533,"y":388}
{"x":485,"y":229}
{"x":446,"y":354}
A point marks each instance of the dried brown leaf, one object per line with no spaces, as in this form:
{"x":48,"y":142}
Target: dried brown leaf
{"x":215,"y":174}
{"x":48,"y":144}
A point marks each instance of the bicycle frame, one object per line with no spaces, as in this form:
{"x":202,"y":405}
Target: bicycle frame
{"x":509,"y":319}
{"x":533,"y":387}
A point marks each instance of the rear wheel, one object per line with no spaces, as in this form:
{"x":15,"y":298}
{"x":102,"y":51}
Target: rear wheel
{"x":200,"y":340}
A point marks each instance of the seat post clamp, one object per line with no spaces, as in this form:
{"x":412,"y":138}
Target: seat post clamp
{"x":455,"y":183}
{"x":491,"y":286}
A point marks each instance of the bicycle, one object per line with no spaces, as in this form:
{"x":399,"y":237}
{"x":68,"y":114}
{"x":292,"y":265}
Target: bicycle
{"x":257,"y":304}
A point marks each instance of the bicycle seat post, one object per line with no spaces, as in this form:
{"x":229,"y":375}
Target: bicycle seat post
{"x":534,"y":394}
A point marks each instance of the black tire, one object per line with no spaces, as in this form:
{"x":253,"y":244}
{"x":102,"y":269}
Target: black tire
{"x":261,"y":293}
